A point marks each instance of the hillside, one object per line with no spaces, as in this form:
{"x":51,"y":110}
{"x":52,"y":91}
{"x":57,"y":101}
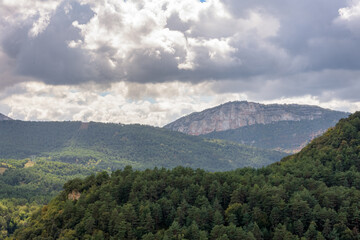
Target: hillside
{"x":112,"y":146}
{"x":314,"y":194}
{"x":3,"y":117}
{"x":37,"y":158}
{"x":285,"y":136}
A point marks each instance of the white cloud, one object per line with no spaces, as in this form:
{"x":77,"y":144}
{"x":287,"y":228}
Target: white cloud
{"x":350,"y":17}
{"x":156,"y":104}
{"x":350,"y":13}
{"x":124,"y":27}
{"x":152,"y":104}
{"x":20,"y":11}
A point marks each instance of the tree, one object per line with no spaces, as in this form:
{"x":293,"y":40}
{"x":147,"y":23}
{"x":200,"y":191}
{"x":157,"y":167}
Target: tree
{"x":311,"y":233}
{"x":218,"y":218}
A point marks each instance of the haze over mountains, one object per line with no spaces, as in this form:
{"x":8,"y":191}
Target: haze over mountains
{"x":285,"y":127}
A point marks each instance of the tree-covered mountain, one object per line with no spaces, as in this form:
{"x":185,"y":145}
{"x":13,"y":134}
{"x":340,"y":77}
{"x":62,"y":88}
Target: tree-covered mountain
{"x":285,"y":127}
{"x":37,"y":158}
{"x":112,"y":146}
{"x":314,"y":194}
{"x":3,"y":117}
{"x":285,"y":136}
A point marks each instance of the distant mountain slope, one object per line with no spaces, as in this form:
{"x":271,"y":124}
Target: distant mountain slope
{"x":286,"y":136}
{"x":112,"y":146}
{"x":3,"y":117}
{"x":285,"y":128}
{"x":234,"y":115}
{"x":338,"y":149}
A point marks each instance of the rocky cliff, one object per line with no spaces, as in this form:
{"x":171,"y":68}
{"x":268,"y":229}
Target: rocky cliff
{"x":233,"y":115}
{"x":3,"y":117}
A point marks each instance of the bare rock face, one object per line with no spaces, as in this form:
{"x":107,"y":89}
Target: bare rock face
{"x":74,"y":195}
{"x":4,"y":118}
{"x":234,"y":115}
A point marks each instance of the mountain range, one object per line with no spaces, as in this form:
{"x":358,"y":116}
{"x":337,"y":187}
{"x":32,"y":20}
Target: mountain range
{"x":314,"y":194}
{"x":284,"y":127}
{"x":112,"y":146}
{"x":37,"y":158}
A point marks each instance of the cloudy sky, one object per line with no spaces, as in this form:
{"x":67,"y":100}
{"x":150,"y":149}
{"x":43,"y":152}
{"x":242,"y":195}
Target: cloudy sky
{"x":152,"y":61}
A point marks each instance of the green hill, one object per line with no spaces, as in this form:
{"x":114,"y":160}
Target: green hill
{"x":112,"y":146}
{"x":314,"y":194}
{"x":36,"y":158}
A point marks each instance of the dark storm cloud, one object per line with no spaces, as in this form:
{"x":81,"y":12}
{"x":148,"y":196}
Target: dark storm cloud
{"x":308,"y":49}
{"x":47,"y":56}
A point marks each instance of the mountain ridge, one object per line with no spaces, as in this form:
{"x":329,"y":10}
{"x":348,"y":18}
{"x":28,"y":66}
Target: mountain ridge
{"x":285,"y":136}
{"x":117,"y":145}
{"x":236,"y":114}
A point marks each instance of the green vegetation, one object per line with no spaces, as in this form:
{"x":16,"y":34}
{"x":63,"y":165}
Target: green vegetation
{"x":40,"y":182}
{"x":27,"y":185}
{"x":39,"y":157}
{"x":114,"y":146}
{"x":287,"y":136}
{"x":314,"y":194}
{"x":14,"y":213}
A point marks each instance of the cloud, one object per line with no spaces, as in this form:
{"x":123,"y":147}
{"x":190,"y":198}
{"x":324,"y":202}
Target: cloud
{"x":251,"y":49}
{"x":154,"y":104}
{"x":136,"y":41}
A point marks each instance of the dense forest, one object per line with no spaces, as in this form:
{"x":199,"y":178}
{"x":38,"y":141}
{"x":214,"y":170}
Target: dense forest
{"x":37,"y":158}
{"x":287,"y":136}
{"x":113,"y":146}
{"x":314,"y":194}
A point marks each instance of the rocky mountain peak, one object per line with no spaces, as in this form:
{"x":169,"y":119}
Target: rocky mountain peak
{"x":238,"y":114}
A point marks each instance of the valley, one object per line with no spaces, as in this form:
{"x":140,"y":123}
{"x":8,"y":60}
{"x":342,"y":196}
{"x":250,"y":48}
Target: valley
{"x":222,"y":188}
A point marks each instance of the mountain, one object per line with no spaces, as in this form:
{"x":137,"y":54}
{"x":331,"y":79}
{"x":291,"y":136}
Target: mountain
{"x":113,"y":146}
{"x":3,"y":117}
{"x":284,"y":127}
{"x":285,"y":136}
{"x":233,"y":115}
{"x":314,"y":194}
{"x":37,"y":158}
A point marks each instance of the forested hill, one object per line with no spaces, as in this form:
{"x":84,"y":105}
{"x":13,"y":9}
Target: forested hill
{"x":113,"y":146}
{"x":314,"y":194}
{"x":338,"y":148}
{"x":286,"y":136}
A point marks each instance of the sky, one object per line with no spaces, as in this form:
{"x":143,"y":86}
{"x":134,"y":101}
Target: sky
{"x":153,"y":61}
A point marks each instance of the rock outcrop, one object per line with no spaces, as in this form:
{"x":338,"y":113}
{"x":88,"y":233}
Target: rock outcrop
{"x":74,"y":195}
{"x":234,"y":115}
